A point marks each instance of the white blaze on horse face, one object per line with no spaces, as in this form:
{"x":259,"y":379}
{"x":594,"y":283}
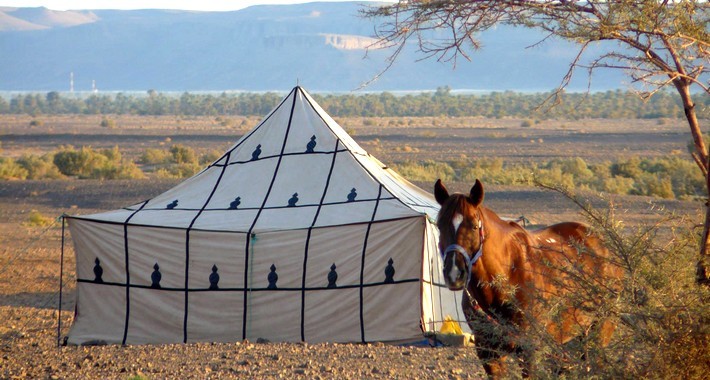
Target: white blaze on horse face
{"x":456,"y":221}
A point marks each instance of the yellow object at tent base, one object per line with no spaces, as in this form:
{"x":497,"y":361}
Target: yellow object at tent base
{"x":450,"y":326}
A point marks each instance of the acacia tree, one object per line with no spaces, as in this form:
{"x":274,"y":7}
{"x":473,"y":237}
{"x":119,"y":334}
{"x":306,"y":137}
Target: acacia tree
{"x":657,"y":43}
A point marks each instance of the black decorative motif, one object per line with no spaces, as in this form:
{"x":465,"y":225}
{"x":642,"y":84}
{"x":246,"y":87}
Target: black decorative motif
{"x":214,"y":278}
{"x":98,"y":271}
{"x":172,"y":205}
{"x":352,"y":195}
{"x":155,"y":277}
{"x":332,"y":277}
{"x":255,"y":154}
{"x":235,"y":203}
{"x":293,"y":200}
{"x":389,"y":272}
{"x":272,"y":277}
{"x":311,"y":144}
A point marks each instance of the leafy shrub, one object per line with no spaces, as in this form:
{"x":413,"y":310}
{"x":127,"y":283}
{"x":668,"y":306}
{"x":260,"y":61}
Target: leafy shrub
{"x":108,"y":123}
{"x":36,"y":219}
{"x":661,"y":313}
{"x":183,"y":154}
{"x":87,"y":163}
{"x":10,"y":169}
{"x":666,"y":177}
{"x":152,"y":156}
{"x":210,"y":157}
{"x":39,"y":167}
{"x":428,"y":171}
{"x":36,"y":123}
{"x":178,"y":171}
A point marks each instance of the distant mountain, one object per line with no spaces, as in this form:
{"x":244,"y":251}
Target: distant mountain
{"x":26,"y":19}
{"x":270,"y":47}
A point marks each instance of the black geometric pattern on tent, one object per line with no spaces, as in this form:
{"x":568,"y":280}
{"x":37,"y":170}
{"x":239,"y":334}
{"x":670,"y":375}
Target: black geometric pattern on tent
{"x":362,"y":265}
{"x":98,"y":271}
{"x":128,"y":273}
{"x":308,"y":238}
{"x":214,"y":278}
{"x":272,"y":277}
{"x":245,"y":309}
{"x":187,"y":248}
{"x":155,"y":277}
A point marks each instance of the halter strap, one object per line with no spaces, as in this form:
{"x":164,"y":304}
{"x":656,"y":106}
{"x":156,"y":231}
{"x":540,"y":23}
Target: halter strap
{"x":470,"y":260}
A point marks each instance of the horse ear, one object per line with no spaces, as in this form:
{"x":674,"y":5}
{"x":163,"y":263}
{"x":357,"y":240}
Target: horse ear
{"x":476,"y":196}
{"x":440,"y":192}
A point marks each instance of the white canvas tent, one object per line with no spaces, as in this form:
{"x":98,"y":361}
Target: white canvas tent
{"x":294,"y":234}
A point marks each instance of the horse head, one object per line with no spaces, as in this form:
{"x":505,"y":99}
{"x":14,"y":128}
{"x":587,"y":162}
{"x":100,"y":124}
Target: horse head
{"x":461,"y":232}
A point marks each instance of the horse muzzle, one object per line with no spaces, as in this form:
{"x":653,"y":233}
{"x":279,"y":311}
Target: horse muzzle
{"x":455,"y":267}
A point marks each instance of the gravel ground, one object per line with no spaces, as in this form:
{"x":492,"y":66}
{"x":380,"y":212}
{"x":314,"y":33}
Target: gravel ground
{"x":29,"y":278}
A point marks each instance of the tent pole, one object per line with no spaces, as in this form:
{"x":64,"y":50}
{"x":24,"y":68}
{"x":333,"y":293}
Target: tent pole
{"x":61,"y":285}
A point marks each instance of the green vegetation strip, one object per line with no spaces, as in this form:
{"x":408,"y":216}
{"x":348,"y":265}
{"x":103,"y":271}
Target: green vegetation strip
{"x":667,"y":177}
{"x":610,"y":104}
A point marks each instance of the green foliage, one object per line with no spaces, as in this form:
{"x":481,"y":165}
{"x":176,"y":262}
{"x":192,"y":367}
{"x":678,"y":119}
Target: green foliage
{"x":609,"y":104}
{"x":11,"y":170}
{"x":36,"y":219}
{"x":39,"y":167}
{"x":36,"y":123}
{"x":667,"y":177}
{"x":152,"y":156}
{"x":108,"y":123}
{"x":425,"y":171}
{"x":87,"y":163}
{"x":183,"y":154}
{"x":661,"y":313}
{"x":210,"y":157}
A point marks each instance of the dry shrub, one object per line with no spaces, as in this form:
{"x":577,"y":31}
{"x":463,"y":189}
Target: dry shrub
{"x":36,"y":219}
{"x":662,"y":315}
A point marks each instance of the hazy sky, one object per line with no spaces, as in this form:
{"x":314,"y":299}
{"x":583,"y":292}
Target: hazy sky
{"x":204,"y":5}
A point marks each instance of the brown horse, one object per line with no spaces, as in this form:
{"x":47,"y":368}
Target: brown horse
{"x":512,"y":276}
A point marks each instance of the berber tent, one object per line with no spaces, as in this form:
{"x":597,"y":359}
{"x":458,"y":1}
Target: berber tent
{"x":294,"y":234}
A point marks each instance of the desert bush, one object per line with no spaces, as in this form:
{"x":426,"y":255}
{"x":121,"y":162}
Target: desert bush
{"x":87,"y":163}
{"x":618,"y":185}
{"x":183,"y":170}
{"x":39,"y":167}
{"x":36,"y":219}
{"x":108,"y":123}
{"x":661,"y":313}
{"x":11,"y":170}
{"x":152,"y":156}
{"x":36,"y":123}
{"x":210,"y":157}
{"x":183,"y":154}
{"x":428,"y":171}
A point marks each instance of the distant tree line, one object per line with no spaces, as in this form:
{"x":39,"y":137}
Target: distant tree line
{"x":610,"y":104}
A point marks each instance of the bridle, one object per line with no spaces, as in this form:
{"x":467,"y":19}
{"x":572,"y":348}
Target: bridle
{"x":470,"y":259}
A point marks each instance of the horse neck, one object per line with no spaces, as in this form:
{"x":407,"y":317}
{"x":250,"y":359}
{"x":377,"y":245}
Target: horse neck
{"x":500,"y":255}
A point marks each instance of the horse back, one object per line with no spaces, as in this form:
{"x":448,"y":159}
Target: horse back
{"x":568,"y":244}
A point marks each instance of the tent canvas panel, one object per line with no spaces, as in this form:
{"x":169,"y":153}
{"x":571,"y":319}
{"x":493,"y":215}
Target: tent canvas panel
{"x":295,"y":233}
{"x":158,"y":315}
